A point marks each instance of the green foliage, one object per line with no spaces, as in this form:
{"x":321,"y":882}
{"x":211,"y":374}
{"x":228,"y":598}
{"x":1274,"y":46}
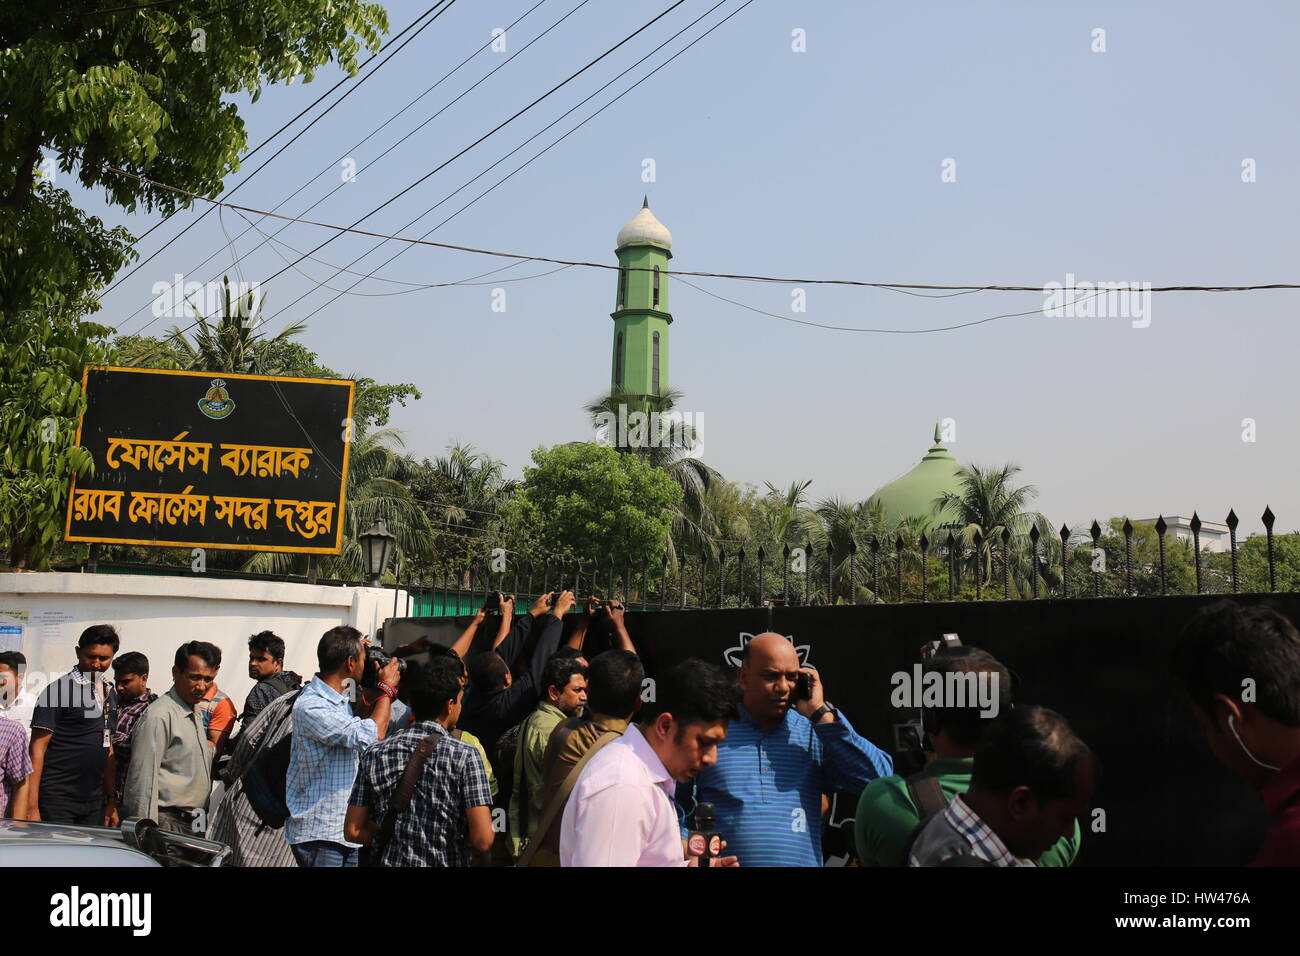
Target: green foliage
{"x":585,"y":502}
{"x":234,"y":345}
{"x":40,"y":401}
{"x":463,"y":494}
{"x":144,"y":91}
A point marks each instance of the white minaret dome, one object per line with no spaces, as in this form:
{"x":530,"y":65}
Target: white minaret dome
{"x":644,"y":227}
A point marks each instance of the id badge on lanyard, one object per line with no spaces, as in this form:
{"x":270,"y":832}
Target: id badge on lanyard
{"x":103,"y":705}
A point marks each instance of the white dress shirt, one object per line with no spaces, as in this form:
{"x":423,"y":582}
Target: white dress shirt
{"x":621,"y":811}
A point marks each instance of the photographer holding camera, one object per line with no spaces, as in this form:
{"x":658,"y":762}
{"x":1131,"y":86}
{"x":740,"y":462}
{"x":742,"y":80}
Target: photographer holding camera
{"x":497,"y":699}
{"x":328,"y":740}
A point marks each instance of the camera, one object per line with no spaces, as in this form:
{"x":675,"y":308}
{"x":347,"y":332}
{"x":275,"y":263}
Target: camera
{"x":493,"y":602}
{"x":930,"y":648}
{"x":375,"y":660}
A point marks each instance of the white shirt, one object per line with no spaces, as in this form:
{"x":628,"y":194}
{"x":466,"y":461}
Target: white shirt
{"x":21,"y":709}
{"x":621,"y":811}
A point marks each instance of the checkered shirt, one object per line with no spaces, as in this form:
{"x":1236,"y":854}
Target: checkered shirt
{"x":127,"y":718}
{"x":15,"y":764}
{"x":986,"y":844}
{"x":327,"y":744}
{"x":433,"y":831}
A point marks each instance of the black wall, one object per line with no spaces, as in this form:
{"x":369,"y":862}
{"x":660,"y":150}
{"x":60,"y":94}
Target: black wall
{"x":1102,"y":663}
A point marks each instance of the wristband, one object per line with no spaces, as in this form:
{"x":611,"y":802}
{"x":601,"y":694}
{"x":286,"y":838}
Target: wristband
{"x":387,"y":690}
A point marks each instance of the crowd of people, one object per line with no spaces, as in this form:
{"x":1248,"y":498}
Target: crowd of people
{"x":518,"y":750}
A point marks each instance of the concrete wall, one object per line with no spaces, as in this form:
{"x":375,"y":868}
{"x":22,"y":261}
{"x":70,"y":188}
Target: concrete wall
{"x":156,"y":614}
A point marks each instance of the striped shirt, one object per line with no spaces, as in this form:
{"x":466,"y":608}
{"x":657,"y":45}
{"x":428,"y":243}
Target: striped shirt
{"x":15,"y":763}
{"x":323,"y":758}
{"x":767,"y":786}
{"x":235,"y":823}
{"x":959,"y":831}
{"x":433,"y":830}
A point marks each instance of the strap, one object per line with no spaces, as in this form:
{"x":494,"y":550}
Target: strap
{"x":551,"y":813}
{"x":927,"y":795}
{"x":402,"y":797}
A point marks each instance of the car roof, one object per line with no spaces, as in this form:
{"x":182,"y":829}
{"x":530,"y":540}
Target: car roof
{"x":27,"y":833}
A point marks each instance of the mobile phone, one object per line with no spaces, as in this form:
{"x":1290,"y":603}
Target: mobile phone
{"x":803,"y":687}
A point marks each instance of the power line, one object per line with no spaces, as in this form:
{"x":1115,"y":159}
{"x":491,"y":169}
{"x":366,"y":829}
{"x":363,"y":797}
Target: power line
{"x":399,"y":142}
{"x":366,"y":139}
{"x":414,"y":286}
{"x":417,"y":182}
{"x":783,"y":280}
{"x":445,"y":4}
{"x":845,"y":328}
{"x":538,"y":154}
{"x":149,"y":6}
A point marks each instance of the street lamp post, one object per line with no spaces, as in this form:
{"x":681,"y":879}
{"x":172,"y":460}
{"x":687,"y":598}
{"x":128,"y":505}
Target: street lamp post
{"x":376,"y":545}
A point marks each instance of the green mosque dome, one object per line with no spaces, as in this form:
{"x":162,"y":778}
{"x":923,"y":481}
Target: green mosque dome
{"x":913,"y":495}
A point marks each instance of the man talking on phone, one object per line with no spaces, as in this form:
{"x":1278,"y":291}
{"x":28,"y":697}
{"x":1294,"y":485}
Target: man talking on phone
{"x":782,"y":752}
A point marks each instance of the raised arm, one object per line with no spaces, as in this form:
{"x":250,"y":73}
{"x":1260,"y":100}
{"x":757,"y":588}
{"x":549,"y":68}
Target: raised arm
{"x":621,"y":637}
{"x":507,"y":622}
{"x":549,"y":642}
{"x":462,"y":644}
{"x":591,"y":607}
{"x":517,"y":631}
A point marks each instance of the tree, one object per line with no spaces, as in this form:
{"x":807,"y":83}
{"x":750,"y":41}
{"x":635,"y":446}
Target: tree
{"x":276,"y":355}
{"x":146,"y":91}
{"x":587,"y":502}
{"x":463,"y":494}
{"x":40,"y":401}
{"x":1252,"y":557}
{"x":987,"y":503}
{"x":649,"y":427}
{"x":377,"y":487}
{"x":232,"y":344}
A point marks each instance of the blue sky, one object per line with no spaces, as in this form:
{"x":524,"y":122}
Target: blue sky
{"x":1117,"y":166}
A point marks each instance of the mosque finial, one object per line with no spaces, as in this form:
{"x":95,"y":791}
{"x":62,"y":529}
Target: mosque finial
{"x":645,"y":202}
{"x":936,"y":433}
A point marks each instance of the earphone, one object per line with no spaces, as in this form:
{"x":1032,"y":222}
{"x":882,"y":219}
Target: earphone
{"x":1232,"y":726}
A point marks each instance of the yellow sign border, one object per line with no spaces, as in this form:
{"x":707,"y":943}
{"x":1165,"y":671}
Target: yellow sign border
{"x":282,"y":549}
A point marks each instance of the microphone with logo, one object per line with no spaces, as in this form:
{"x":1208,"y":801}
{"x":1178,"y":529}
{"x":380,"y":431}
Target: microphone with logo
{"x":704,"y":843}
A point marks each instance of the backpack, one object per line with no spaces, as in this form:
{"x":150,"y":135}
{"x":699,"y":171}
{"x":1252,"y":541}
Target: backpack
{"x":929,"y":799}
{"x":927,"y":796}
{"x":266,"y":778}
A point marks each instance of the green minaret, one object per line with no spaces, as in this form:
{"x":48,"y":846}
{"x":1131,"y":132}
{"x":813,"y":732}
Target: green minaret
{"x":641,"y":316}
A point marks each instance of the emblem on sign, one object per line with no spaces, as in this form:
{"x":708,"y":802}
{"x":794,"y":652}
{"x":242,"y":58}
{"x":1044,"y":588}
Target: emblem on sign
{"x":217,"y":402}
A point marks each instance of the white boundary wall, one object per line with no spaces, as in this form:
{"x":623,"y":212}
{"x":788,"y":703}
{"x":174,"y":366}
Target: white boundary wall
{"x":155,"y":614}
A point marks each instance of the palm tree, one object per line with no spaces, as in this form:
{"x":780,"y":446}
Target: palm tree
{"x":376,"y":488}
{"x":986,"y":504}
{"x":665,"y":444}
{"x":231,"y":344}
{"x":463,"y":493}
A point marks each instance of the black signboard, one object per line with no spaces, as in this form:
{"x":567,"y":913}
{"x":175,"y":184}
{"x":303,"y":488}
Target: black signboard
{"x":201,"y":459}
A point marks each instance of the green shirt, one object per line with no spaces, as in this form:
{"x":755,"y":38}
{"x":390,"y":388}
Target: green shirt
{"x":467,"y":738}
{"x":528,"y":781}
{"x":886,"y":816}
{"x":171,"y":760}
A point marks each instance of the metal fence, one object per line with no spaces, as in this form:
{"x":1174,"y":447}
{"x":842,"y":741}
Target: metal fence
{"x":938,"y":566}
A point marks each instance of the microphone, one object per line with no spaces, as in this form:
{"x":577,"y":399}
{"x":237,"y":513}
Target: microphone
{"x":704,"y":843}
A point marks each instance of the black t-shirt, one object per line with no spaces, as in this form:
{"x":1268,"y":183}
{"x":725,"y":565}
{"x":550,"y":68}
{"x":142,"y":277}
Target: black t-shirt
{"x":76,"y":755}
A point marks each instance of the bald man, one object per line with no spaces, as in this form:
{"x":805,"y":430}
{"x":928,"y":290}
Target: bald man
{"x":780,"y":755}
